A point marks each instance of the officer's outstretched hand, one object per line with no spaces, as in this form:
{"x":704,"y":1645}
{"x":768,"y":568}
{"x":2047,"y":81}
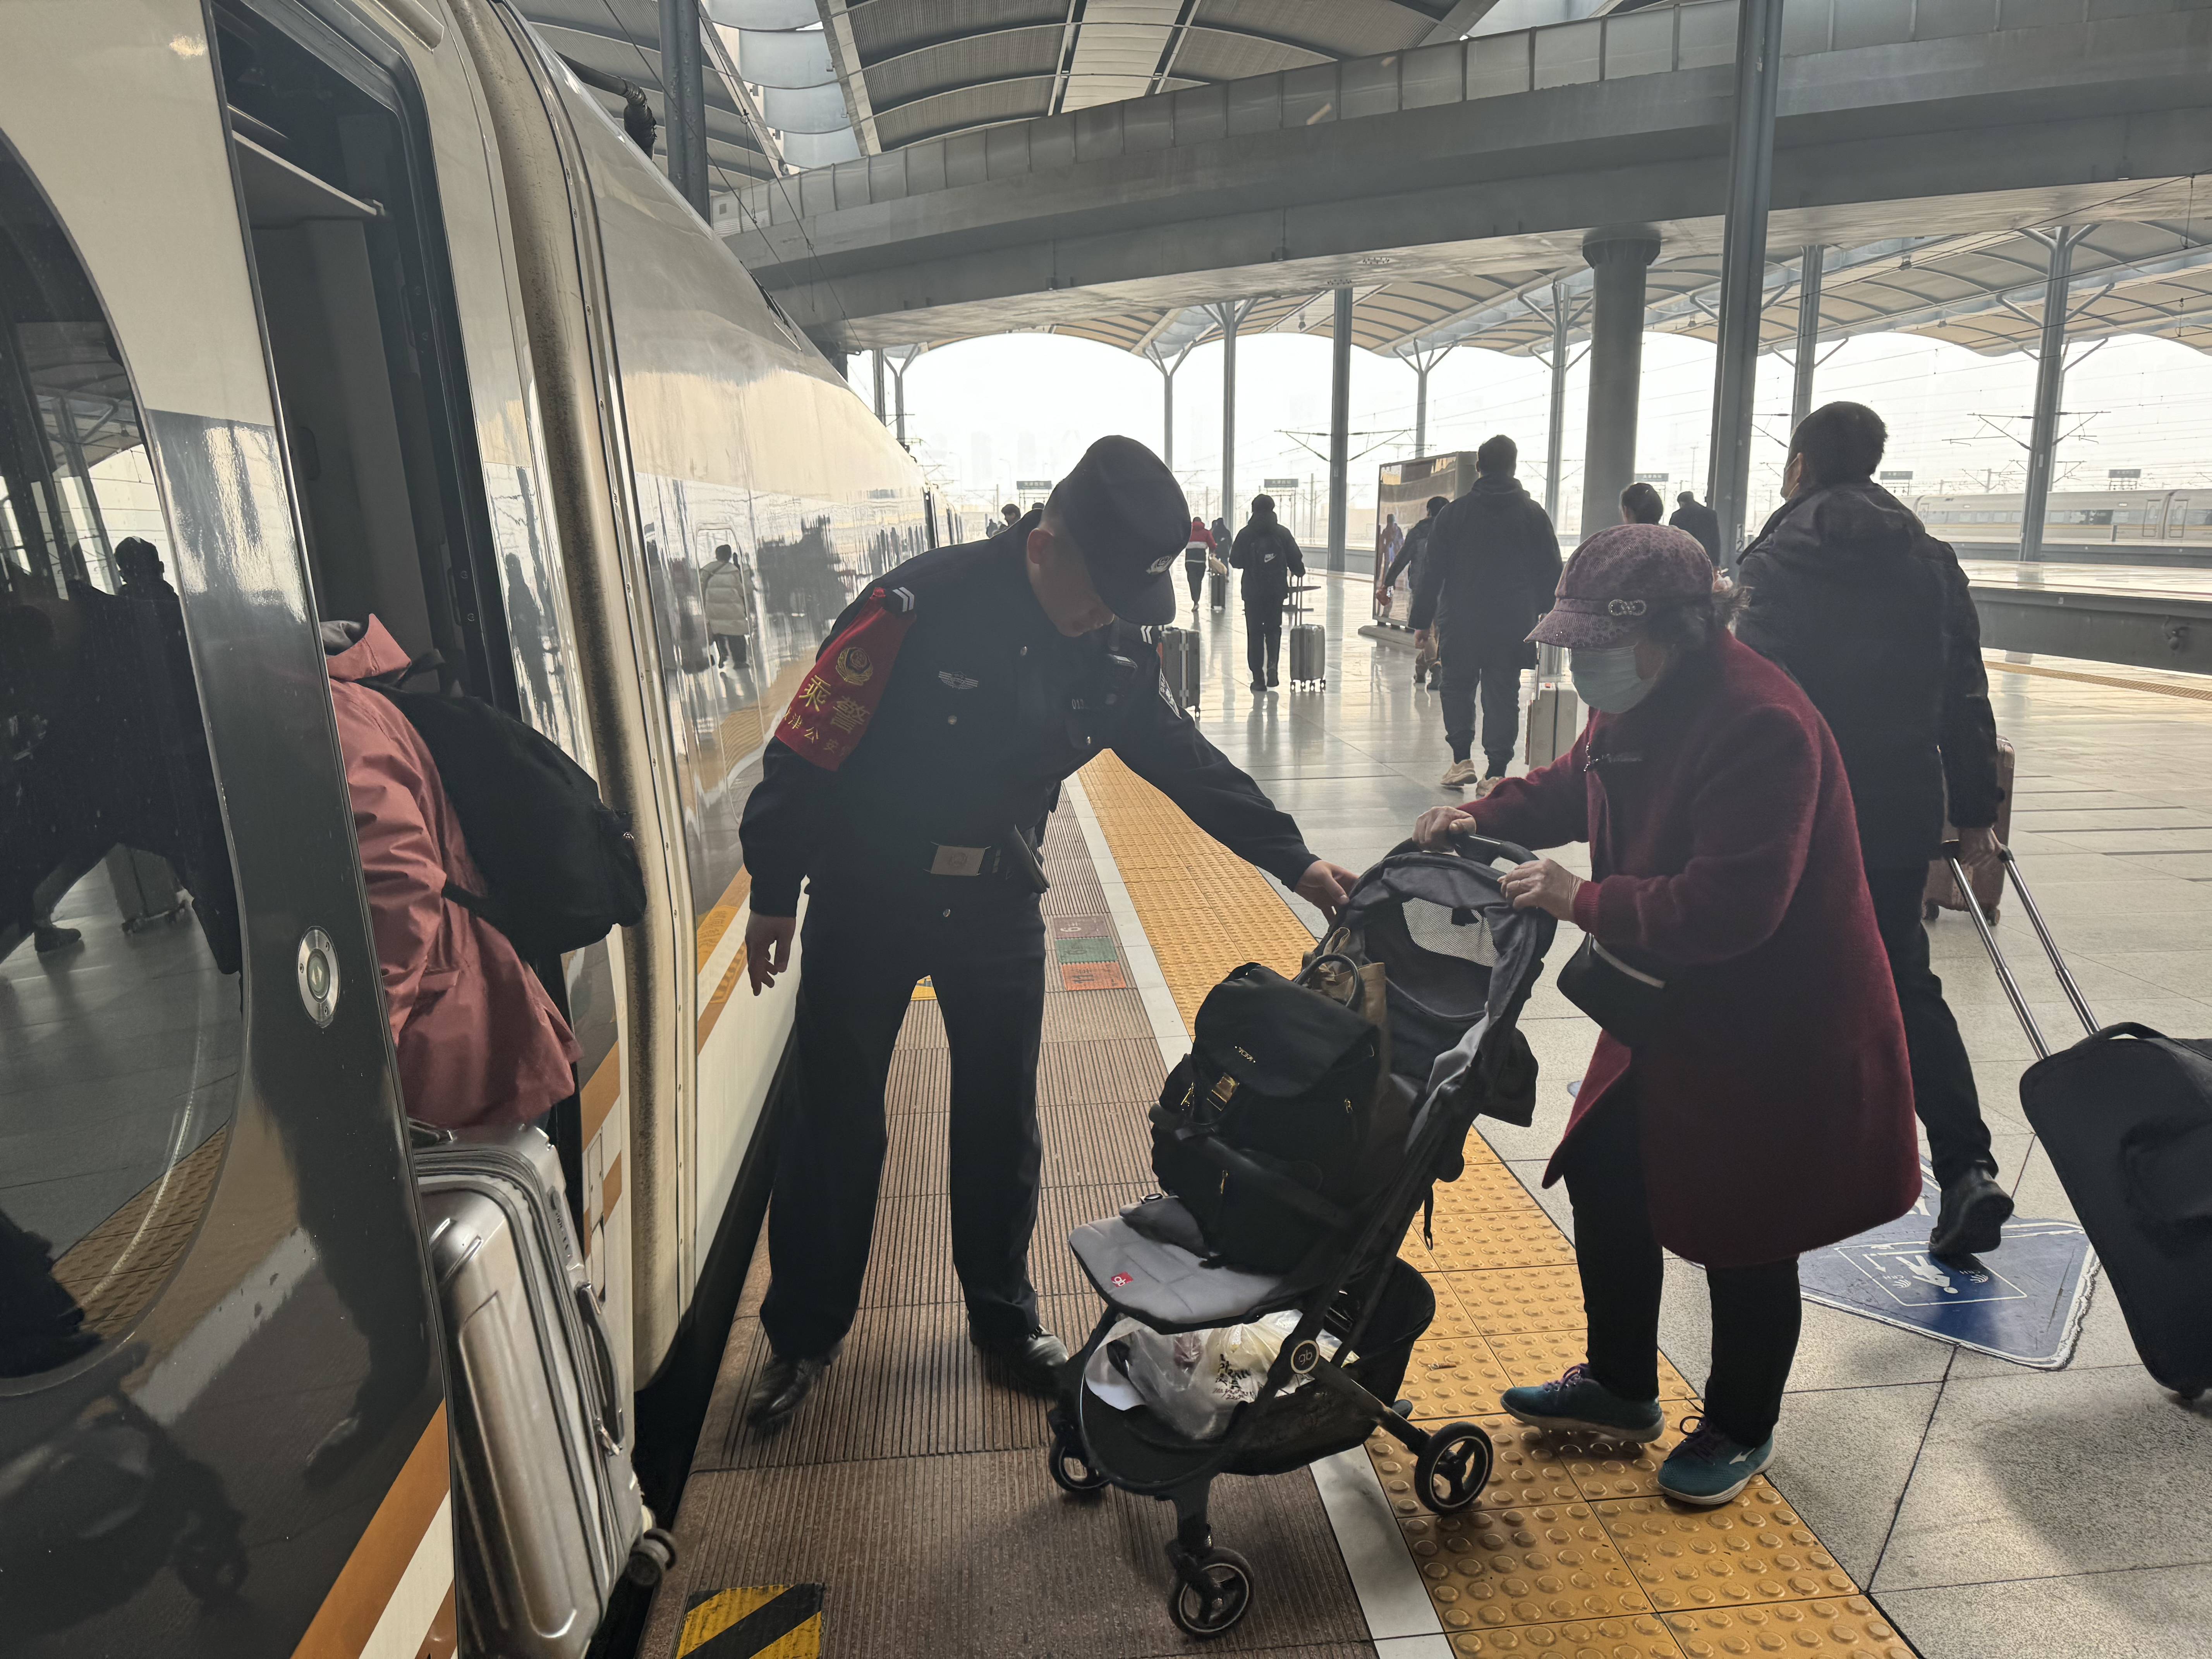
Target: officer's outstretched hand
{"x":1326,"y":886}
{"x":767,"y":948}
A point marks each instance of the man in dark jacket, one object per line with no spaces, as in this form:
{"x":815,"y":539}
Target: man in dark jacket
{"x":1414,"y":557}
{"x":1872,"y":615}
{"x":1268,"y":554}
{"x":1701,"y":521}
{"x":1493,"y":562}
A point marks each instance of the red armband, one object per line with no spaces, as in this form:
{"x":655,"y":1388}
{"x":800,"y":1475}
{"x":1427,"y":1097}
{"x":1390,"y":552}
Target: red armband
{"x":835,"y":702}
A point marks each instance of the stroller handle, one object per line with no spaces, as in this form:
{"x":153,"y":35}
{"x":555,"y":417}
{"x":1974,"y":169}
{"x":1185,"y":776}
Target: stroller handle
{"x":1490,"y":850}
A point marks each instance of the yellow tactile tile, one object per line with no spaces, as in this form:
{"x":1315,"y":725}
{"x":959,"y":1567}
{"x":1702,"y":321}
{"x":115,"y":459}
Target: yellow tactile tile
{"x":1846,"y":1624}
{"x":1453,"y":1376}
{"x":1498,"y":1238}
{"x":1614,"y":1469}
{"x":1753,"y":1550}
{"x":1639,"y":1637}
{"x":1485,"y":1185}
{"x":1536,"y":1564}
{"x":1508,"y":1301}
{"x":1533,"y":1356}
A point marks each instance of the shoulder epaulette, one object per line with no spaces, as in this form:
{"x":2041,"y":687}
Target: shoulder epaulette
{"x":830,"y":712}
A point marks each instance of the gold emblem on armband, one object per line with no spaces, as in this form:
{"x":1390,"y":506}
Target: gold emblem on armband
{"x":854,"y":666}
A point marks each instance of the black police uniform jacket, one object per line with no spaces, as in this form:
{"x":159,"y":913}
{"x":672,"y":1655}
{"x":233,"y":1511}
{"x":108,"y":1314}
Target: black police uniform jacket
{"x":945,"y":710}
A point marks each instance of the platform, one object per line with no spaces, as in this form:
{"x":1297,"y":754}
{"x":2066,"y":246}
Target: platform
{"x":1923,"y":1498}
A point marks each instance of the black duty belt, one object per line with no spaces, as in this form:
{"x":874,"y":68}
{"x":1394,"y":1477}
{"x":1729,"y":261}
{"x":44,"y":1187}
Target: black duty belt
{"x":1011,"y":858}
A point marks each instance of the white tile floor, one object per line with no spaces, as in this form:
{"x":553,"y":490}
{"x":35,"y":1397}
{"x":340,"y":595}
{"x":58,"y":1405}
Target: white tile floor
{"x":1995,"y":1510}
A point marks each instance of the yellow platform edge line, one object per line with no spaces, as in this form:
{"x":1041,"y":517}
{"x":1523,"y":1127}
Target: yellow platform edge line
{"x":1571,"y":1546}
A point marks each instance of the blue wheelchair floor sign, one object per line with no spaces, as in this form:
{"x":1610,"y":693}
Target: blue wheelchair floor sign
{"x":2022,"y":1302}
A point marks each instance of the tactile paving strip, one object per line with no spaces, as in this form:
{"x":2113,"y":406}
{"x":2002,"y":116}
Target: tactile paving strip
{"x":1535,"y":1565}
{"x":1507,"y":1301}
{"x":1498,"y":1238}
{"x":1754,"y":1550}
{"x":1847,"y":1625}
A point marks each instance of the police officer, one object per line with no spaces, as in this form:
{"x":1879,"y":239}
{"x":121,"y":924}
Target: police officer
{"x":908,"y":785}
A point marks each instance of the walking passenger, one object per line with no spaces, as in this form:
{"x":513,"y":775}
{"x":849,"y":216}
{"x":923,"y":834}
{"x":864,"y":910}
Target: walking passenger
{"x":1701,"y":521}
{"x":1268,"y":554}
{"x":1197,"y":553}
{"x":1412,"y":559}
{"x":728,"y":592}
{"x":1492,"y":563}
{"x":1640,"y":504}
{"x":1871,"y":615}
{"x":1766,"y":1108}
{"x":908,"y":785}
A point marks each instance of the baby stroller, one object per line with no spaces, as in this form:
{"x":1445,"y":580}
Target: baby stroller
{"x":1458,"y":962}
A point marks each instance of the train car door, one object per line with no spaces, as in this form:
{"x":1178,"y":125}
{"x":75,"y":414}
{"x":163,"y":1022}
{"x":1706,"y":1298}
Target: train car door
{"x":221,"y":1429}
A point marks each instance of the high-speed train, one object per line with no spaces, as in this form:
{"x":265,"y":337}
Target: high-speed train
{"x":348,"y":307}
{"x":2174,"y":520}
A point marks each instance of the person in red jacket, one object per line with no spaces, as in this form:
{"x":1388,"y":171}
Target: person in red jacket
{"x":479,"y":1041}
{"x":1772,"y":1112}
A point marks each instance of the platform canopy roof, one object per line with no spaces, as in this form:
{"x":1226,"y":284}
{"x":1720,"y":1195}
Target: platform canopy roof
{"x":1983,"y":290}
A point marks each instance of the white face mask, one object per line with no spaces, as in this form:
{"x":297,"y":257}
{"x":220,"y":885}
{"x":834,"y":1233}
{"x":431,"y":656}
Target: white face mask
{"x":1607,"y":680}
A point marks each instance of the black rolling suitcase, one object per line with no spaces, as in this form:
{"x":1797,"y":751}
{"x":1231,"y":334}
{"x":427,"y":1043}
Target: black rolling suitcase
{"x":2126,"y":1117}
{"x":1217,"y":588}
{"x":1309,"y":644}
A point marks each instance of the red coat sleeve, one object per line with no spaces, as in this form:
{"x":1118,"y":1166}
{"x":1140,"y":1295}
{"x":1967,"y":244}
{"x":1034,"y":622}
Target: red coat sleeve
{"x":1755,"y":808}
{"x":1549,"y":807}
{"x":400,"y":864}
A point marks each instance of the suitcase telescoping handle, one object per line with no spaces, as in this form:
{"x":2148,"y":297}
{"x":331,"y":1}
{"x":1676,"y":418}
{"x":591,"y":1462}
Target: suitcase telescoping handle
{"x":611,"y":1422}
{"x":2013,"y":993}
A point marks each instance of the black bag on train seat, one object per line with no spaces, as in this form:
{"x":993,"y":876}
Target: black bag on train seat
{"x":1278,"y":1126}
{"x":559,"y":864}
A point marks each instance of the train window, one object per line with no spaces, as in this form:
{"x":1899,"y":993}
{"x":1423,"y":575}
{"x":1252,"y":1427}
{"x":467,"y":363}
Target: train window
{"x":119,"y":995}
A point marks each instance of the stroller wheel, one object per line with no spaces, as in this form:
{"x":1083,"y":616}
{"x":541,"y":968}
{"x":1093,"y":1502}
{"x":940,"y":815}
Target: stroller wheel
{"x":1214,"y":1596}
{"x":1454,"y":1469}
{"x":1071,"y":1469}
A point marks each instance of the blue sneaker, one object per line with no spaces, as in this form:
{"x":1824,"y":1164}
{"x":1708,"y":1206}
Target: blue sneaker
{"x":1580,"y":1404}
{"x":1710,"y":1468}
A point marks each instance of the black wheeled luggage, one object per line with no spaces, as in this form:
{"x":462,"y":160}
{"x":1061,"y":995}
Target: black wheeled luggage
{"x":2125,"y":1116}
{"x":547,"y":1514}
{"x":1217,"y":588}
{"x":1179,"y":664}
{"x":1309,"y":644}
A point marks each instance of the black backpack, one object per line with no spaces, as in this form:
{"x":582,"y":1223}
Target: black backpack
{"x":560,"y":864}
{"x":1281,"y":1122}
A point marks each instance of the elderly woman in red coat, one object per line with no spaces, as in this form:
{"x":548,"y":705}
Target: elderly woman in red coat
{"x":1767,"y":1109}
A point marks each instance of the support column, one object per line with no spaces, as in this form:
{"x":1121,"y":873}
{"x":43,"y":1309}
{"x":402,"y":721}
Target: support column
{"x":1555,"y":468}
{"x":1743,"y":263}
{"x":2050,"y":387}
{"x":1167,"y":413}
{"x":901,"y":381}
{"x":1809,"y":271}
{"x":684,"y":84}
{"x":1618,"y":261}
{"x":1340,"y":426}
{"x":1230,"y":316}
{"x":877,"y":354}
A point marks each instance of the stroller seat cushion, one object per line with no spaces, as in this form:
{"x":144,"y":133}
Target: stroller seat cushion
{"x":1168,"y":1287}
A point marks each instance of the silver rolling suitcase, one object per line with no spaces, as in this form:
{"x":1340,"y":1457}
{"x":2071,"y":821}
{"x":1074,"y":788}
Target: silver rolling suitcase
{"x":1309,"y":645}
{"x":1179,"y":664}
{"x":547,"y":1514}
{"x":1555,"y":721}
{"x":145,"y":886}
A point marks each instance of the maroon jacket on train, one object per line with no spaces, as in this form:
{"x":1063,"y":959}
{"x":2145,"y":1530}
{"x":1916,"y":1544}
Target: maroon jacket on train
{"x":1777,"y":1111}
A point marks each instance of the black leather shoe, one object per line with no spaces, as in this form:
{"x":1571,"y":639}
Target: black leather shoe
{"x":783,"y":1388}
{"x":1971,"y":1219}
{"x":1272,"y":681}
{"x":1032,"y":1363}
{"x":1259,"y":684}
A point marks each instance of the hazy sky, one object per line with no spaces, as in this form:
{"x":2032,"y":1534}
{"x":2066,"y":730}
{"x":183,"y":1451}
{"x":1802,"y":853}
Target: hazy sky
{"x":985,"y":413}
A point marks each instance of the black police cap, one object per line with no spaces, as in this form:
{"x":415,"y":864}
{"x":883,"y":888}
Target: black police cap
{"x":1127,"y":513}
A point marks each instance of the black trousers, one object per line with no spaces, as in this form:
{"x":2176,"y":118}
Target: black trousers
{"x":1263,"y":639}
{"x":1943,"y":1091}
{"x":1756,"y":1311}
{"x":1496,"y":675}
{"x":981,"y":941}
{"x":1196,"y":574}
